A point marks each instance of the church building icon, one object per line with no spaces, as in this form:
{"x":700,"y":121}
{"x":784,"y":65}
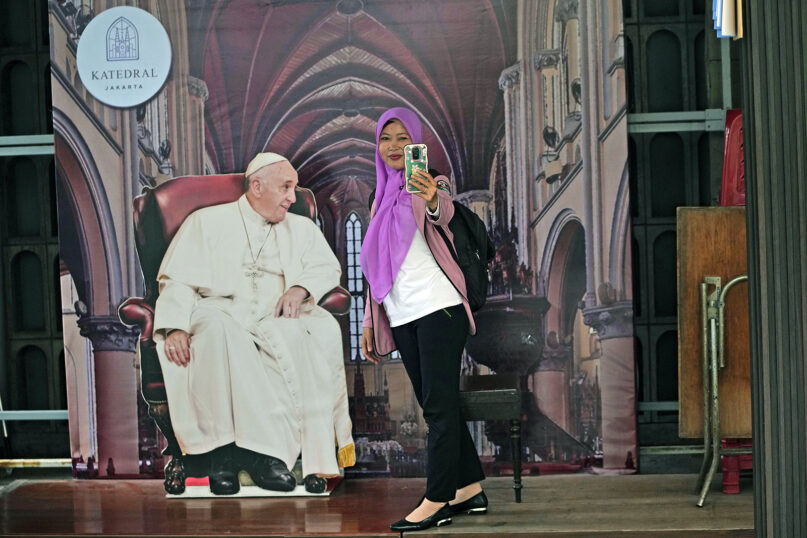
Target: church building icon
{"x":122,"y":41}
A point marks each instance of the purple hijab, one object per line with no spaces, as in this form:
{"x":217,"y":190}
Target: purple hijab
{"x":393,"y":227}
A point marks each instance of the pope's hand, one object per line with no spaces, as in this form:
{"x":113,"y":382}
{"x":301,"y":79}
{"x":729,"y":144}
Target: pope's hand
{"x":178,"y":347}
{"x":367,"y":346}
{"x":290,"y":302}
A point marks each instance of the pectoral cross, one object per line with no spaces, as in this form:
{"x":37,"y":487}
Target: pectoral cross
{"x":252,"y":270}
{"x":254,"y":274}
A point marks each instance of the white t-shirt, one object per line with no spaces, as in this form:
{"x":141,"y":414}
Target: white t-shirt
{"x":420,"y":287}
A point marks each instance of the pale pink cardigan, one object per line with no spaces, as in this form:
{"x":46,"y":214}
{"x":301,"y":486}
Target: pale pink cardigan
{"x":374,"y":315}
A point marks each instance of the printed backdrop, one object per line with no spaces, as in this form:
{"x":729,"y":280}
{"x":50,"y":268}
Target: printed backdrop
{"x":523,"y":103}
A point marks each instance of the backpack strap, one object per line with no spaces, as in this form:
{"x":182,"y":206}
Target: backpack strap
{"x":448,"y":243}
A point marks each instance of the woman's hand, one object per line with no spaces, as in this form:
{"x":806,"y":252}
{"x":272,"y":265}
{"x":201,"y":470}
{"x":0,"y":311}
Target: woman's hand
{"x":427,"y":186}
{"x":367,"y":346}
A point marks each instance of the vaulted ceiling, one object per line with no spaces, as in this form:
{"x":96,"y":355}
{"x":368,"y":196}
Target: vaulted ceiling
{"x":308,"y":79}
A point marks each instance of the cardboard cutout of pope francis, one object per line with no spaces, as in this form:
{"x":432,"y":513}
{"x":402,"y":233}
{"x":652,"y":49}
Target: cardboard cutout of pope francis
{"x":253,"y":370}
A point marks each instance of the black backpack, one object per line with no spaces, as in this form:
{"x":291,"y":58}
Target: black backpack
{"x":474,"y":250}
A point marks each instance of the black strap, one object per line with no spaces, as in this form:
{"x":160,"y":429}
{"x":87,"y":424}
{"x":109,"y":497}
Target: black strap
{"x":448,"y":243}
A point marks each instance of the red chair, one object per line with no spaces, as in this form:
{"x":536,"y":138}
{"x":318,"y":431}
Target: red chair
{"x":732,"y":186}
{"x":158,"y":214}
{"x":732,"y":193}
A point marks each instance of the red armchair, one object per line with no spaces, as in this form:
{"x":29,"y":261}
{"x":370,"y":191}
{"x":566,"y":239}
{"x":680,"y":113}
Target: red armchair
{"x":158,"y":214}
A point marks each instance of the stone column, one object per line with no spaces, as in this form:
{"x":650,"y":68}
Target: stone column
{"x":551,"y":383}
{"x":524,"y":129}
{"x":614,"y":326}
{"x":116,"y":393}
{"x":197,"y":88}
{"x":774,"y":108}
{"x":566,"y":9}
{"x":548,"y":162}
{"x":590,"y":147}
{"x":510,"y":84}
{"x":131,"y":188}
{"x":477,"y":201}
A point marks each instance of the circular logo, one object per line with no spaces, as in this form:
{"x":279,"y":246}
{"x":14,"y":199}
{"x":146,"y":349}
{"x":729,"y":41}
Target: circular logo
{"x":124,"y":56}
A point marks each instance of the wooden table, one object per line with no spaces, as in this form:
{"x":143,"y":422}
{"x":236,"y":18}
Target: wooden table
{"x":711,"y":242}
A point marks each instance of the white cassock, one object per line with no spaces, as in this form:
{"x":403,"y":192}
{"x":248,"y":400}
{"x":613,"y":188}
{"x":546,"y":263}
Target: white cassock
{"x":273,"y":385}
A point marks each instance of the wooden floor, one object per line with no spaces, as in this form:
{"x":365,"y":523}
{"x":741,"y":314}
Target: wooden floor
{"x":553,"y":506}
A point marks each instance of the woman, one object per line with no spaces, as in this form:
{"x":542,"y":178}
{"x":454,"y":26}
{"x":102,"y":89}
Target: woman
{"x":416,"y":303}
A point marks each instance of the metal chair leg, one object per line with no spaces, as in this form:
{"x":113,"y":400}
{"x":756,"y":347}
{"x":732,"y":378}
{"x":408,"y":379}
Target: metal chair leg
{"x":707,"y":484}
{"x":707,"y":443}
{"x":705,"y":464}
{"x":515,"y":445}
{"x":707,"y":459}
{"x":714,"y":413}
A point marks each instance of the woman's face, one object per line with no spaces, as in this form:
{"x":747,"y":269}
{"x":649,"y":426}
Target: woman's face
{"x":391,"y":142}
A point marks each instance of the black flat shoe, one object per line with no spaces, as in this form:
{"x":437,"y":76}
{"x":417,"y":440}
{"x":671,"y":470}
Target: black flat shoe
{"x":315,"y":484}
{"x":270,"y":473}
{"x":223,"y":476}
{"x":439,"y":518}
{"x":224,"y":483}
{"x":478,"y":504}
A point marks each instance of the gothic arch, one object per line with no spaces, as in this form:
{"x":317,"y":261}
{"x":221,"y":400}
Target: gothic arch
{"x":96,"y":238}
{"x":559,"y":269}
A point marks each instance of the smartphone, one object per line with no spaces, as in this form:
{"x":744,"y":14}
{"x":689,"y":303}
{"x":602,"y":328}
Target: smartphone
{"x":415,"y":158}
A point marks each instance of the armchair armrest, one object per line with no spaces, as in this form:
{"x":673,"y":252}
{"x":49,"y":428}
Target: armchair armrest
{"x":336,"y":301}
{"x":135,"y":311}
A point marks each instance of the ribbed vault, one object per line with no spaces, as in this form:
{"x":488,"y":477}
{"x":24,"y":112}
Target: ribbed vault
{"x":308,"y":79}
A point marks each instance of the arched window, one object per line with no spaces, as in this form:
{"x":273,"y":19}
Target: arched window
{"x":667,"y":168}
{"x":28,"y":292}
{"x":24,"y":212}
{"x":664,"y":80}
{"x":20,"y":112}
{"x":665,"y":291}
{"x":15,"y":23}
{"x":667,"y":366}
{"x":355,"y":284}
{"x":32,"y":379}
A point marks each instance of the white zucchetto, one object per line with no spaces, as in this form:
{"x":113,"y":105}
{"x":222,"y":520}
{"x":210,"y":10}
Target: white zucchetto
{"x":261,"y":160}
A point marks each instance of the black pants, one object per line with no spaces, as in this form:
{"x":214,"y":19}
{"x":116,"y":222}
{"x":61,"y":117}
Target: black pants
{"x":431,"y":349}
